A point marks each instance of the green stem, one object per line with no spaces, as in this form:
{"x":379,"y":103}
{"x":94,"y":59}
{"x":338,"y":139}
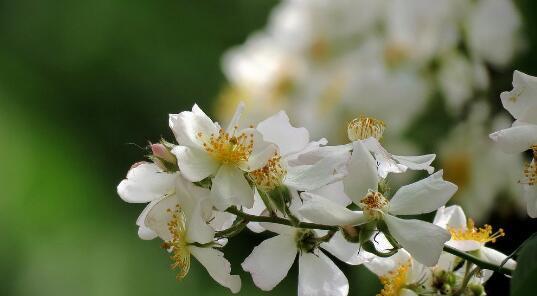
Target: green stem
{"x":467,"y":277}
{"x":478,"y":261}
{"x":278,"y":220}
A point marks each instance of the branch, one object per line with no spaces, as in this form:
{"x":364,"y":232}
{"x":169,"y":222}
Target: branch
{"x":478,"y":261}
{"x":278,"y":220}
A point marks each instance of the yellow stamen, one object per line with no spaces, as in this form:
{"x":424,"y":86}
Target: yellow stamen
{"x":530,"y":173}
{"x":365,"y":127}
{"x":228,"y":148}
{"x":374,"y":204}
{"x":271,"y":175}
{"x":178,"y":245}
{"x":394,"y":281}
{"x":482,"y":235}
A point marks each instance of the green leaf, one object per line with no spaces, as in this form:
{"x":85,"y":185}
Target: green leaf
{"x":525,"y":276}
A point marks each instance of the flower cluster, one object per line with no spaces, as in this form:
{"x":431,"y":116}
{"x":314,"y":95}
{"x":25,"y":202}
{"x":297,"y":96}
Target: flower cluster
{"x":214,"y":182}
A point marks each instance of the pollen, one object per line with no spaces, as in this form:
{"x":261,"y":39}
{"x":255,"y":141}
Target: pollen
{"x":395,"y":280}
{"x":365,"y":127}
{"x":530,"y":173}
{"x":482,"y":235}
{"x":228,"y":148}
{"x":271,"y":175}
{"x":178,"y":245}
{"x":374,"y":204}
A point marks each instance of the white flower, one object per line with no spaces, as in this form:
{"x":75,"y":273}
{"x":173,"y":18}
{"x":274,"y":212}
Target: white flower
{"x":467,"y":238}
{"x":145,"y":183}
{"x":521,"y":102}
{"x":207,"y":150}
{"x":423,"y":240}
{"x":179,"y":220}
{"x":271,"y":260}
{"x":482,"y":172}
{"x":494,"y":41}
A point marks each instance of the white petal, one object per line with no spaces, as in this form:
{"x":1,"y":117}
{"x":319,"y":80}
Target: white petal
{"x":262,"y":151}
{"x":517,"y":138}
{"x":334,"y":192}
{"x":423,"y":196}
{"x":423,"y":240}
{"x":231,"y":188}
{"x":256,"y":210}
{"x":186,"y":126}
{"x":194,"y":164}
{"x":421,"y":162}
{"x":383,"y":265}
{"x":452,"y":216}
{"x":464,"y":245}
{"x":278,"y":130}
{"x":362,"y":175}
{"x":292,"y":158}
{"x":158,"y":216}
{"x":218,"y":267}
{"x":221,"y":220}
{"x":343,"y":250}
{"x":315,"y":155}
{"x":522,"y":98}
{"x":270,"y":261}
{"x":385,"y":161}
{"x":310,"y":177}
{"x":278,"y":228}
{"x":407,"y":292}
{"x":144,"y":232}
{"x":234,"y":123}
{"x":319,"y":276}
{"x":321,"y":210}
{"x":145,"y":182}
{"x":495,"y":257}
{"x":197,"y":229}
{"x":530,"y":195}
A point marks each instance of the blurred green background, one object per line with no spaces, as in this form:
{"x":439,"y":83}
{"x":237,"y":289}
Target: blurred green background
{"x":79,"y":81}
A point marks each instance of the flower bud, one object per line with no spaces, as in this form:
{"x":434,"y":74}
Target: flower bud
{"x":163,"y":157}
{"x":476,"y":289}
{"x":365,"y":127}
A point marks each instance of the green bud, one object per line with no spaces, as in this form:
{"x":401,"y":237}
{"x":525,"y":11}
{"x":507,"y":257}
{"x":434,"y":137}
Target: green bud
{"x":476,"y":289}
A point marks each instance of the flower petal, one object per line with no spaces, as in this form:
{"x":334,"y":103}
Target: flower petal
{"x":424,"y":196}
{"x":421,"y":162}
{"x":186,"y":126}
{"x":495,"y":257}
{"x":270,"y":261}
{"x":321,"y":210}
{"x":256,"y":210}
{"x":452,"y":216}
{"x":319,"y":276}
{"x":262,"y":151}
{"x":310,"y":177}
{"x":197,"y":228}
{"x":464,"y":245}
{"x":158,"y":216}
{"x":230,"y":188}
{"x":423,"y":240}
{"x":334,"y":192}
{"x":530,"y":195}
{"x":145,"y":182}
{"x":195,"y":164}
{"x":516,"y":139}
{"x":278,"y":130}
{"x":362,"y":175}
{"x":218,"y":267}
{"x":522,"y":98}
{"x":343,"y":250}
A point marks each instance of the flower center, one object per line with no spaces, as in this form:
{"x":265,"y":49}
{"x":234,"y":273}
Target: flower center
{"x":228,"y":148}
{"x":394,"y":54}
{"x":458,"y":169}
{"x":530,"y":173}
{"x":365,"y":127}
{"x":271,"y":175}
{"x":178,"y":244}
{"x":482,"y":235}
{"x":374,"y":204}
{"x":395,"y":280}
{"x":306,"y":241}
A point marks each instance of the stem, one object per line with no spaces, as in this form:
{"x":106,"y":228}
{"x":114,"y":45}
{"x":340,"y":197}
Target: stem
{"x":467,"y":277}
{"x":278,"y":220}
{"x":477,"y":261}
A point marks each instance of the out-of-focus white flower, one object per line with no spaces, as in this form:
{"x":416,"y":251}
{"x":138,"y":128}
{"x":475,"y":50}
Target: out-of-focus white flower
{"x":467,"y":238}
{"x":179,"y":220}
{"x":493,"y":30}
{"x":423,"y":240}
{"x":521,"y":102}
{"x":271,"y":260}
{"x":207,"y":150}
{"x":481,"y":171}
